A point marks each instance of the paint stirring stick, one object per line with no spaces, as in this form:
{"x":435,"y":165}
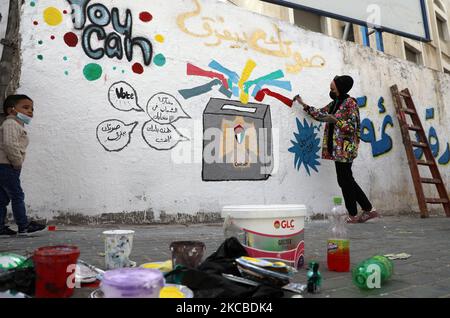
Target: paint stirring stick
{"x":96,"y":269}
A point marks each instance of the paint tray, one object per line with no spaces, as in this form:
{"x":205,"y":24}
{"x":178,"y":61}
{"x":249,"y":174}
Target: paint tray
{"x":263,"y":274}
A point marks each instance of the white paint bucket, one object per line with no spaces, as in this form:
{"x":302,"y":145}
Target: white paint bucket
{"x":118,"y":245}
{"x":274,"y":232}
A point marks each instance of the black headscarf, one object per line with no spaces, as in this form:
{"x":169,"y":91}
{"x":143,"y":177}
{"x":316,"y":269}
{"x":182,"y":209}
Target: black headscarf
{"x":343,"y":84}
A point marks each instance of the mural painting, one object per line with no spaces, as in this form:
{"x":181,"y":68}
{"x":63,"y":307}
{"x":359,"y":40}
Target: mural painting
{"x":237,"y":142}
{"x":90,"y":22}
{"x":384,"y":144}
{"x":434,"y":142}
{"x":211,"y":31}
{"x":231,"y":84}
{"x":306,"y":146}
{"x":159,"y":133}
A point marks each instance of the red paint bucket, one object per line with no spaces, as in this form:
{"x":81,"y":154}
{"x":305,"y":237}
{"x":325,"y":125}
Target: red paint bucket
{"x":55,"y":271}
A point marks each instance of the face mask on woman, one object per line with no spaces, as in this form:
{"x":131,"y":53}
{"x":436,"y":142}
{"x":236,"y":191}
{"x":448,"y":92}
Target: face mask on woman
{"x":333,"y":95}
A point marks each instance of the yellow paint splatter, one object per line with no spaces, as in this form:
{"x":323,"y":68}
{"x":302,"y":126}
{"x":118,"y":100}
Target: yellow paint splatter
{"x":171,"y":292}
{"x":52,"y":16}
{"x":159,"y":38}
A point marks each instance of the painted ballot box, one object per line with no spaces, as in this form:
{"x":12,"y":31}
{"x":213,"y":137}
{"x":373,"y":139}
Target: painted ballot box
{"x":237,"y":141}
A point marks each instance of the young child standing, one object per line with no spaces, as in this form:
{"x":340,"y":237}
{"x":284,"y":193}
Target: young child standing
{"x":13,"y":144}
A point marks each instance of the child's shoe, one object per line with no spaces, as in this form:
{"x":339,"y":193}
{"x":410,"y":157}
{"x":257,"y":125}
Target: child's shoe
{"x":7,"y":231}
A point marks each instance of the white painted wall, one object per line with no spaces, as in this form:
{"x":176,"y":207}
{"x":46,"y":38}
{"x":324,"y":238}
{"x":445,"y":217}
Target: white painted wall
{"x":68,"y":170}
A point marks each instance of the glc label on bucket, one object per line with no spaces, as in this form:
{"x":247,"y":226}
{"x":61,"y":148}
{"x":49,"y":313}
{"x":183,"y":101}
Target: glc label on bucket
{"x":284,"y":224}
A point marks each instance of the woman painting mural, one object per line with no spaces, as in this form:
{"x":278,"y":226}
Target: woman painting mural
{"x":340,"y":143}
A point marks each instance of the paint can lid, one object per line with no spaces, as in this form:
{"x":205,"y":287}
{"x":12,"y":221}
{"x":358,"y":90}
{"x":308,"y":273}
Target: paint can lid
{"x":264,"y":211}
{"x":133,"y":278}
{"x":118,"y":232}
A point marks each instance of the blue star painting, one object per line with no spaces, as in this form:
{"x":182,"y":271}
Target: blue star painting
{"x":306,"y":146}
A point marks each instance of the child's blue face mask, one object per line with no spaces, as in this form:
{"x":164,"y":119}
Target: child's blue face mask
{"x":24,"y":118}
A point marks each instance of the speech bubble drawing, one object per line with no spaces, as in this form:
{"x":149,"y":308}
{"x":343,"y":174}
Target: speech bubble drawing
{"x":122,"y":96}
{"x":114,"y":135}
{"x":161,"y":136}
{"x":163,"y":108}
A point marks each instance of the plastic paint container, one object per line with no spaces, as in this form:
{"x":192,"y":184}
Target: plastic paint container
{"x":132,"y":283}
{"x":11,"y":261}
{"x":118,"y":245}
{"x":53,"y":265}
{"x":274,"y":232}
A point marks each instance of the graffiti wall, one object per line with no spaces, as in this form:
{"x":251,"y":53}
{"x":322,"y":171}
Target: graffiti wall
{"x":185,"y":106}
{"x":4,"y":13}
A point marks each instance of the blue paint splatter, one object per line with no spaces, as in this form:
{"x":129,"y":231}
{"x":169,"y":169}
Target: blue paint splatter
{"x":233,"y":76}
{"x":203,"y":89}
{"x":418,"y":152}
{"x":433,"y":141}
{"x":233,"y":80}
{"x":235,"y":90}
{"x":367,"y":131}
{"x":361,"y":101}
{"x":266,"y":78}
{"x":381,"y":107}
{"x":368,"y":135}
{"x":286,"y":85}
{"x":434,"y":146}
{"x":306,"y":147}
{"x":445,"y":158}
{"x":429,"y":114}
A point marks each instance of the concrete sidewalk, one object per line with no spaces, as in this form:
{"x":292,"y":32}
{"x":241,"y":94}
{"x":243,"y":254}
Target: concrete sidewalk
{"x":425,"y":274}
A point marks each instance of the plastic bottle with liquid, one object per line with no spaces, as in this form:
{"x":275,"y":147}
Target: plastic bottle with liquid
{"x":230,"y":229}
{"x":314,"y":278}
{"x":373,"y":272}
{"x":338,"y":248}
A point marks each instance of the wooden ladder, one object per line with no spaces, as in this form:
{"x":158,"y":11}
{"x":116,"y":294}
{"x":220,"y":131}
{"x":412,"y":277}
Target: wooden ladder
{"x":423,"y":143}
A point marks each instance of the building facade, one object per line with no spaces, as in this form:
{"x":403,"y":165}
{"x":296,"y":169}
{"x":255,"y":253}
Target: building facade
{"x":435,"y":54}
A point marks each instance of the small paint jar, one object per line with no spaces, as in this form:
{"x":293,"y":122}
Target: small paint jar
{"x":53,"y":266}
{"x":132,"y":283}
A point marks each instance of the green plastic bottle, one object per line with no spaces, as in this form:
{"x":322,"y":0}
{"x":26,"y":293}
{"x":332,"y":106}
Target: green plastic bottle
{"x":373,"y":272}
{"x":314,"y":278}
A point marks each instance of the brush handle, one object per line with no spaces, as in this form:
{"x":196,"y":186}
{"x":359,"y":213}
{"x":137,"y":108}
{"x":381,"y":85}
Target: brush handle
{"x":98,"y":270}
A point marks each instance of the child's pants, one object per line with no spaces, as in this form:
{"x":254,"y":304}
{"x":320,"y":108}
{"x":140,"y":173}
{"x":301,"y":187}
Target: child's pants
{"x":11,"y":191}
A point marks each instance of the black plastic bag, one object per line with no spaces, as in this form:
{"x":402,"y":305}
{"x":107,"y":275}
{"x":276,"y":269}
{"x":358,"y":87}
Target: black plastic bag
{"x":18,"y":280}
